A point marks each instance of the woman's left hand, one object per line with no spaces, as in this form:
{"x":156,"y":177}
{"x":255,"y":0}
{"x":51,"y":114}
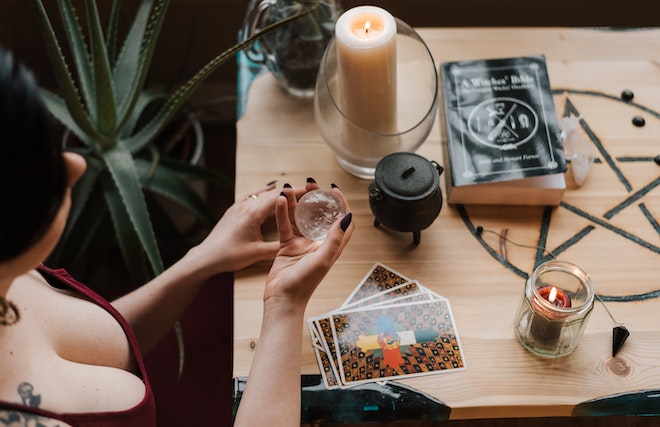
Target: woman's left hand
{"x":301,"y":263}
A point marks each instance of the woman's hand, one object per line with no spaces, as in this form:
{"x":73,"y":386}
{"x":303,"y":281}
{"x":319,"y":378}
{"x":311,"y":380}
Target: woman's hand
{"x":237,"y":241}
{"x":272,"y":396}
{"x":301,"y":263}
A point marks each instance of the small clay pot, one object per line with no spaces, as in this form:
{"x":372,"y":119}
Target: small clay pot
{"x":405,"y":194}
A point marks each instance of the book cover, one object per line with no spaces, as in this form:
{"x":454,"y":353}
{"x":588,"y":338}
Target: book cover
{"x":501,"y":127}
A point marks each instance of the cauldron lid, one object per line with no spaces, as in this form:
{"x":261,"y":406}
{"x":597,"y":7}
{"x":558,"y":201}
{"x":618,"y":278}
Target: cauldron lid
{"x":406,"y":175}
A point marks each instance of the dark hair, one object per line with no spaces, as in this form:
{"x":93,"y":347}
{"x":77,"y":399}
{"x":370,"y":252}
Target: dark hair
{"x":32,"y":175}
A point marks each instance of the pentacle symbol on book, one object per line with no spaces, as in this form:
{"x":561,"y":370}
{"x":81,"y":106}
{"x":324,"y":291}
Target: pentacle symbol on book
{"x":503,"y":123}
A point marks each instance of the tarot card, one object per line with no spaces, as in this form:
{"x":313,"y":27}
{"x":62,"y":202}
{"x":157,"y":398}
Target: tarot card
{"x":379,"y":278}
{"x":391,"y":295}
{"x":322,"y":333}
{"x":379,"y":343}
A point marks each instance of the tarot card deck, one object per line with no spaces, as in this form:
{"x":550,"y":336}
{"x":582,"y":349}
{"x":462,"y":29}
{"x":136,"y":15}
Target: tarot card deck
{"x":390,"y":327}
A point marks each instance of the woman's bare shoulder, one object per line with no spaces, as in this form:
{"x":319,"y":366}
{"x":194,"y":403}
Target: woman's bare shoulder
{"x":20,"y":419}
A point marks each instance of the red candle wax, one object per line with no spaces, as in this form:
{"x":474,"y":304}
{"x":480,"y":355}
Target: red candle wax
{"x":555,"y":296}
{"x":546,"y":324}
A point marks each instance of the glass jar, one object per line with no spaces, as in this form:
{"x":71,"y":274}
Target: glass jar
{"x":553,"y":312}
{"x":292,"y":53}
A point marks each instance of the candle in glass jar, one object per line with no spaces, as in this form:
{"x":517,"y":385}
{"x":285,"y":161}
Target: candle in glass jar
{"x":546,"y":324}
{"x":366,"y":60}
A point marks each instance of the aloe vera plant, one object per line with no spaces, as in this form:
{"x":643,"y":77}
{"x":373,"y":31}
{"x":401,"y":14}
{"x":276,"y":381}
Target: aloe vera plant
{"x":101,"y":100}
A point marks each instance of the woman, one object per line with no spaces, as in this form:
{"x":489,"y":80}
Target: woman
{"x":69,"y":358}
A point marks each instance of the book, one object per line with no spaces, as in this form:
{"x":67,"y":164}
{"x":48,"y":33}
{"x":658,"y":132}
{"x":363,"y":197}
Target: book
{"x":501,"y":137}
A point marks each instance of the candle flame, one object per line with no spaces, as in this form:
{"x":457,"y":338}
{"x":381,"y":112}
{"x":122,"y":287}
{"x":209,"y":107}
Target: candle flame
{"x":553,"y":295}
{"x":367,"y":26}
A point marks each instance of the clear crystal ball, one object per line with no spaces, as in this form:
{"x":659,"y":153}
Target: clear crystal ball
{"x":317,"y":210}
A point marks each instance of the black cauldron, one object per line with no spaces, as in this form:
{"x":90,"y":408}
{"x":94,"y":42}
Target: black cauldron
{"x":405,"y":194}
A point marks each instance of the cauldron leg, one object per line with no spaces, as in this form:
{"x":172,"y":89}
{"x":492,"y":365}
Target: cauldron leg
{"x":417,"y":236}
{"x":376,"y":222}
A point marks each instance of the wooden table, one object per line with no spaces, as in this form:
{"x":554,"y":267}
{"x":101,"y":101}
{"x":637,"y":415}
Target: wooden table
{"x":609,"y":227}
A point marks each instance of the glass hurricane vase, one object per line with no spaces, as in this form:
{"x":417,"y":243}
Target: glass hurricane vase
{"x":358,"y":149}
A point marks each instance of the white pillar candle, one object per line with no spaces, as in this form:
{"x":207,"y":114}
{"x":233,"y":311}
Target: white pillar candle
{"x":366,"y":60}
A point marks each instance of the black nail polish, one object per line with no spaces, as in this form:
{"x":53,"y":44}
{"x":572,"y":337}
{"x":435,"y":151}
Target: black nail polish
{"x":287,"y":185}
{"x":346,"y":221}
{"x":271,"y":183}
{"x":311,"y":180}
{"x":333,"y":185}
{"x":282,"y":193}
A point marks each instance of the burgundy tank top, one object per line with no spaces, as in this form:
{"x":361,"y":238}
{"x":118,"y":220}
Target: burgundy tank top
{"x":142,"y":415}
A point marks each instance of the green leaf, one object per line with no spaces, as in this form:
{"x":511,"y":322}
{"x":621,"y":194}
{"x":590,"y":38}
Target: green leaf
{"x":112,"y":33}
{"x":86,"y":185}
{"x":79,"y":52}
{"x":124,"y":173}
{"x":75,"y":242}
{"x":106,"y":109}
{"x":181,"y":345}
{"x":128,"y":73}
{"x":145,"y":100}
{"x":68,"y":89}
{"x":142,"y":66}
{"x":176,"y":100}
{"x":190,"y":172}
{"x":168,"y":184}
{"x":57,"y":107}
{"x":127,"y":238}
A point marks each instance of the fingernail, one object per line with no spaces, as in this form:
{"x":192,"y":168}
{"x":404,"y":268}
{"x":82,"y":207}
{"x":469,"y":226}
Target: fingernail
{"x":333,"y":185}
{"x":270,"y":184}
{"x":346,"y":221}
{"x":311,"y":180}
{"x":287,"y":185}
{"x":282,"y":193}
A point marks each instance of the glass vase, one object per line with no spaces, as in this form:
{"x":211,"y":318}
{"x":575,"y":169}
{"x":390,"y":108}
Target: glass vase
{"x":359,"y":149}
{"x":292,"y":53}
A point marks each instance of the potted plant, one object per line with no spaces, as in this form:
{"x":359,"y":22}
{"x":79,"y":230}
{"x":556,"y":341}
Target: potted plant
{"x":103,"y":103}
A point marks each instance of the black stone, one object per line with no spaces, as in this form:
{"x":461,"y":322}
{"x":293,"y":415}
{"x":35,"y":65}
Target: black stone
{"x":656,"y":159}
{"x":638,"y":121}
{"x":619,"y":336}
{"x":627,"y":95}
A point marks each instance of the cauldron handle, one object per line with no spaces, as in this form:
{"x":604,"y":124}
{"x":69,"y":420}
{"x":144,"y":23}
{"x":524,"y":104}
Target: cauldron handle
{"x":437,"y":166}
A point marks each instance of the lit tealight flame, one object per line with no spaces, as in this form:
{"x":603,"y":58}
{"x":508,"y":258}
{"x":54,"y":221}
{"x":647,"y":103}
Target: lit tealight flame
{"x":553,"y":295}
{"x":367,"y":26}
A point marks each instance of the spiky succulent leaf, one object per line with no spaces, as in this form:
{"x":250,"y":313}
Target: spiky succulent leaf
{"x":178,"y":98}
{"x":68,"y":89}
{"x":122,"y":168}
{"x":80,"y":52}
{"x":82,"y":191}
{"x":129,"y":241}
{"x":138,"y":71}
{"x":167,"y":183}
{"x":78,"y":244}
{"x":189,"y":172}
{"x":130,"y":63}
{"x":112,"y":33}
{"x":105,"y":105}
{"x":58,"y":108}
{"x":144,"y":101}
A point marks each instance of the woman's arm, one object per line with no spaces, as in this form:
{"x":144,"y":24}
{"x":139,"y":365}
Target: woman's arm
{"x":272,"y":394}
{"x":235,"y":242}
